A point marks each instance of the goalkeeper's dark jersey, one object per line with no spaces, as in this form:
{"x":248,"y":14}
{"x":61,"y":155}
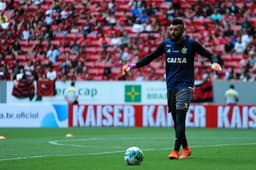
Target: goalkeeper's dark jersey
{"x":179,"y":60}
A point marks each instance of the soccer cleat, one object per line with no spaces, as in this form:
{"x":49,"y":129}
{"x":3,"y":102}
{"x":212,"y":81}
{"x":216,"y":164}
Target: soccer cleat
{"x":173,"y":155}
{"x":186,"y":152}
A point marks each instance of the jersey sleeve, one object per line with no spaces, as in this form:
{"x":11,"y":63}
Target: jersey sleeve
{"x":147,"y":59}
{"x":204,"y":52}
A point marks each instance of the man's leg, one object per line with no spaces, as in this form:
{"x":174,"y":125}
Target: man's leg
{"x":172,"y":105}
{"x":172,"y":108}
{"x":183,"y":98}
{"x":180,"y":130}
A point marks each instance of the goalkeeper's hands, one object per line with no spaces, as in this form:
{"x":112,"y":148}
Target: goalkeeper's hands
{"x":215,"y":67}
{"x":127,"y":68}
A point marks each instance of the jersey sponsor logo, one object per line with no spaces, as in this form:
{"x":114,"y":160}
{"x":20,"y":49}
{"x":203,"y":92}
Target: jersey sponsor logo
{"x":177,"y":60}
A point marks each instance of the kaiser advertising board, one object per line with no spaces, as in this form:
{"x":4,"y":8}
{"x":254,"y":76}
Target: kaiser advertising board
{"x":199,"y":115}
{"x":103,"y":92}
{"x":33,"y":115}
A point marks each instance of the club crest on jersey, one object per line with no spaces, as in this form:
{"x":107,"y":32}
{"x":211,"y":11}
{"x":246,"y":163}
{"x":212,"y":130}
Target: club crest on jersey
{"x":184,"y":50}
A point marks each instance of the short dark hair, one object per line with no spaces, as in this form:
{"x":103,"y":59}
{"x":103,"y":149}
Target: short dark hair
{"x":72,"y":83}
{"x":177,"y":21}
{"x":232,"y":86}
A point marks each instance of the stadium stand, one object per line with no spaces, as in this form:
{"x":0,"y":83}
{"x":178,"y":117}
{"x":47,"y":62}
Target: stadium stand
{"x":86,"y":38}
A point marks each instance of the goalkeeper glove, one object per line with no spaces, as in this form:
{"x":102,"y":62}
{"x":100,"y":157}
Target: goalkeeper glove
{"x":215,"y":67}
{"x":128,"y":67}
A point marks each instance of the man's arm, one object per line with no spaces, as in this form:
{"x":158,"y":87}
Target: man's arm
{"x":203,"y":52}
{"x":145,"y":60}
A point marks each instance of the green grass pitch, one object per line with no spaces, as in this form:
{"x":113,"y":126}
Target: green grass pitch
{"x":103,"y":149}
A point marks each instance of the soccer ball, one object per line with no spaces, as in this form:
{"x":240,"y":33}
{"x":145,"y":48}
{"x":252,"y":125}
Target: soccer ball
{"x":133,"y":156}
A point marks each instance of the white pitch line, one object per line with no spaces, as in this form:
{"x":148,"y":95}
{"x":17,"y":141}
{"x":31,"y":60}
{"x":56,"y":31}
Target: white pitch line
{"x":120,"y":151}
{"x":22,"y":158}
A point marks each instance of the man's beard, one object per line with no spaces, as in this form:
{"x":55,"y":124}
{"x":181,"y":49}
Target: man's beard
{"x":175,"y":38}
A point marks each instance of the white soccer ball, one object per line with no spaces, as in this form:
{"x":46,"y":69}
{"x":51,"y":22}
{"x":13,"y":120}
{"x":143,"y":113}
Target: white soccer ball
{"x":133,"y":156}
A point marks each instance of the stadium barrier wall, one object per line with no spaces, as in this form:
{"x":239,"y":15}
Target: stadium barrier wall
{"x":34,"y":115}
{"x":146,"y":116}
{"x":3,"y":91}
{"x":126,"y":92}
{"x":120,"y":115}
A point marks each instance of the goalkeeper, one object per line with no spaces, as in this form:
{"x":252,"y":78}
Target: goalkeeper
{"x":179,"y":57}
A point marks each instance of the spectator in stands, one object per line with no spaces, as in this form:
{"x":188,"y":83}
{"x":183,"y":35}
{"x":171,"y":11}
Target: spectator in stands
{"x":53,"y":53}
{"x":38,"y":2}
{"x":135,"y":9}
{"x":104,"y":41}
{"x":115,"y":40}
{"x":71,"y":94}
{"x":148,"y":26}
{"x":80,"y":67}
{"x":155,"y":24}
{"x":51,"y":74}
{"x":110,"y":18}
{"x":2,"y":5}
{"x":252,"y":58}
{"x":216,"y":16}
{"x":86,"y":30}
{"x":48,"y":35}
{"x":111,"y":6}
{"x":125,"y":39}
{"x":240,"y":46}
{"x":231,"y":95}
{"x":228,"y":31}
{"x":125,"y":55}
{"x":245,"y":24}
{"x":140,"y":76}
{"x":65,"y":13}
{"x":3,"y":71}
{"x":143,"y":17}
{"x":171,"y":12}
{"x":233,"y":9}
{"x":75,"y":29}
{"x":246,"y":38}
{"x":75,"y":47}
{"x":229,"y":73}
{"x":244,"y":76}
{"x":137,"y":27}
{"x":4,"y":21}
{"x":29,"y":69}
{"x":20,"y":74}
{"x":48,"y":21}
{"x":16,"y":48}
{"x":26,"y":33}
{"x":107,"y":73}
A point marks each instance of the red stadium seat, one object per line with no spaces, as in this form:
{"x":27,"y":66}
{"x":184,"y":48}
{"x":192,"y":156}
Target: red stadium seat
{"x":226,"y":57}
{"x":89,"y":64}
{"x":21,"y":58}
{"x":95,"y":71}
{"x":237,"y":57}
{"x":235,"y":27}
